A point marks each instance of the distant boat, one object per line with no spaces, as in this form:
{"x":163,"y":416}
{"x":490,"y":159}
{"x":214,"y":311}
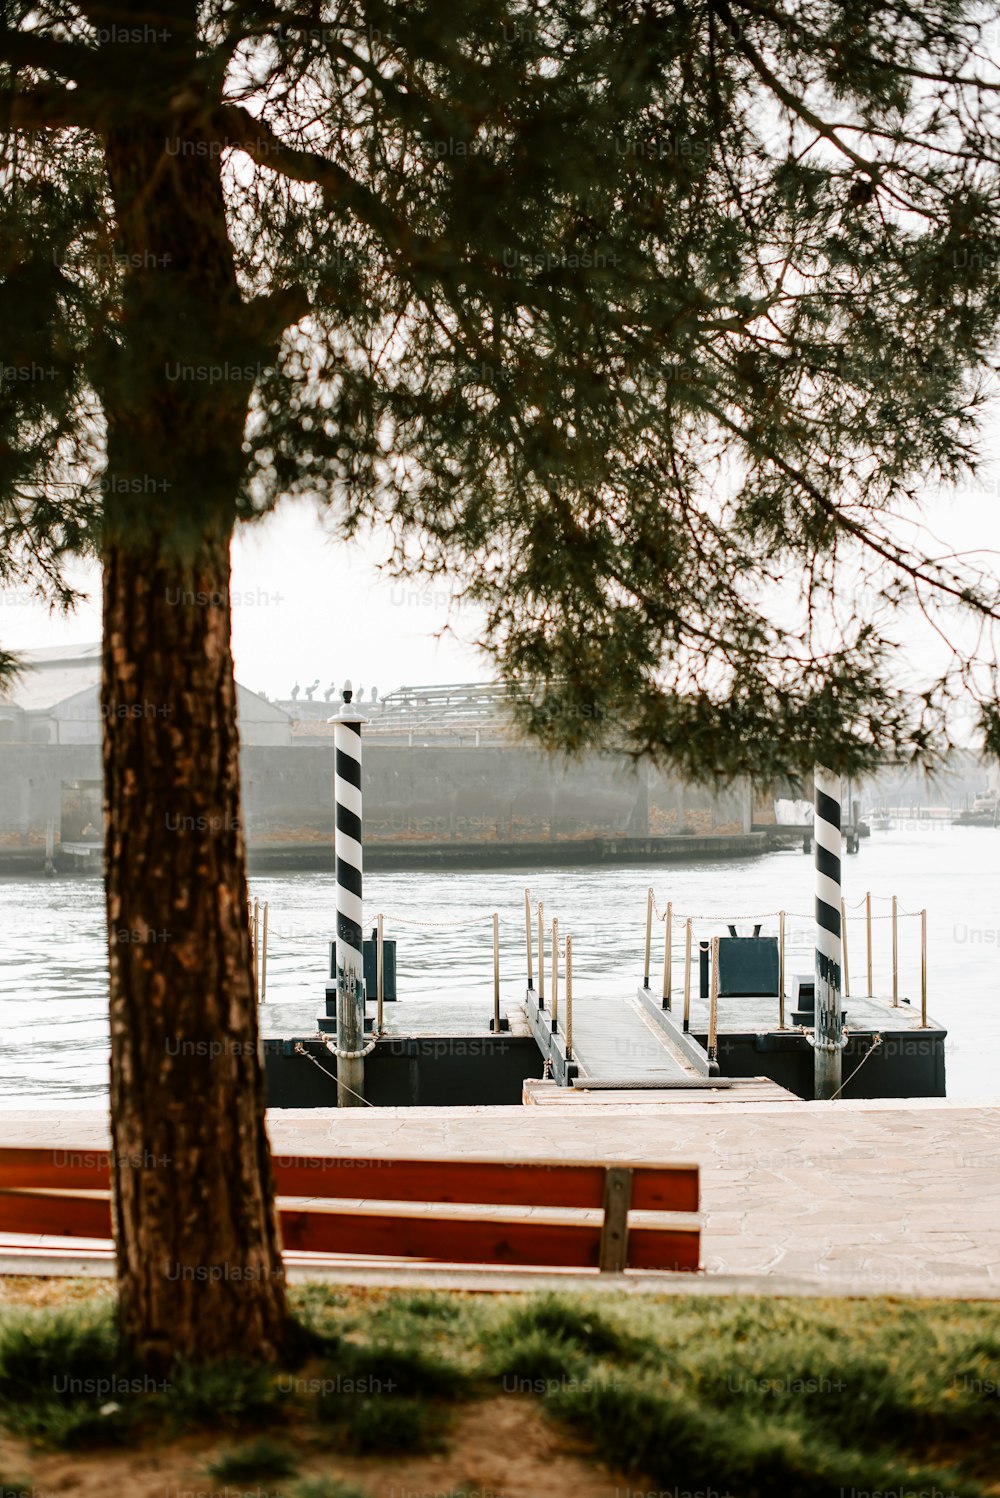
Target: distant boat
{"x":879,"y":819}
{"x":984,"y":812}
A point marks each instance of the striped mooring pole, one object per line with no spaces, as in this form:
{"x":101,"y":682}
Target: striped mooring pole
{"x":347,"y":851}
{"x":828,"y":1044}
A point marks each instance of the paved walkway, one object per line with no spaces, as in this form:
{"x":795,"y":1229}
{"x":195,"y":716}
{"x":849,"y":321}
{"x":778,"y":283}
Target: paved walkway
{"x":859,"y":1197}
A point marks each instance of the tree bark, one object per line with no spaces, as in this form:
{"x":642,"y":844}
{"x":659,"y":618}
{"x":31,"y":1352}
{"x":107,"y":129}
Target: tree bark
{"x":199,"y":1259}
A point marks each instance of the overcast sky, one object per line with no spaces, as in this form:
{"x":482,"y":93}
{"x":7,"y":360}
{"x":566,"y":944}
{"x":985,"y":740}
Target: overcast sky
{"x":306,"y":607}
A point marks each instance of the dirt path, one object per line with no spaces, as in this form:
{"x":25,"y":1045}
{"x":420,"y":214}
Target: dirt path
{"x":499,"y":1448}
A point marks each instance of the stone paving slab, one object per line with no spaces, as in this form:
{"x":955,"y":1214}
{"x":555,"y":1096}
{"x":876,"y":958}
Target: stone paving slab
{"x":885,"y":1197}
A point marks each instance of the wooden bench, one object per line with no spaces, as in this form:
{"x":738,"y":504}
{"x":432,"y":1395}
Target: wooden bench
{"x":64,"y":1193}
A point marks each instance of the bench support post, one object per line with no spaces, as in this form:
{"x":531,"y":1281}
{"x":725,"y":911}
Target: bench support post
{"x":614,"y":1233}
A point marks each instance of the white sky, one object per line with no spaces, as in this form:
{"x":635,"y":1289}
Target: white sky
{"x":304,"y":606}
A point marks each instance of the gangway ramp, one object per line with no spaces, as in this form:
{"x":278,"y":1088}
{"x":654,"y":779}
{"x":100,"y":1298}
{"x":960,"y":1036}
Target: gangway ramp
{"x":615,"y":1042}
{"x":614,"y":1045}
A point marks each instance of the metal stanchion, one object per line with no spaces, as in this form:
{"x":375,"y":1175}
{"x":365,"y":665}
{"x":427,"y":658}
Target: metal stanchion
{"x":713,"y":1004}
{"x":255,"y":939}
{"x":923,"y":968}
{"x":687,"y":975}
{"x":895,"y":956}
{"x":781,"y":969}
{"x":541,"y":957}
{"x":843,"y":938}
{"x":263,"y":959}
{"x":668,"y":975}
{"x":496,"y":973}
{"x":527,"y":933}
{"x":569,"y":995}
{"x":868,"y":933}
{"x":649,"y":935}
{"x":555,"y":977}
{"x":379,"y":969}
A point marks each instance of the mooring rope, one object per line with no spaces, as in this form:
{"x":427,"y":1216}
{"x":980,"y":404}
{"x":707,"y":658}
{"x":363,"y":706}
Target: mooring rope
{"x":350,"y":1055}
{"x":300,"y":1050}
{"x":876,"y":1042}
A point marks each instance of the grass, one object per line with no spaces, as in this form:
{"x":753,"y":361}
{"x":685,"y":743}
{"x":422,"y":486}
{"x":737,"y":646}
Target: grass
{"x":56,"y":1349}
{"x":745,"y":1396}
{"x":256,"y":1460}
{"x":376,"y":1424}
{"x":62,"y":1375}
{"x":387,"y":1394}
{"x":230,"y":1393}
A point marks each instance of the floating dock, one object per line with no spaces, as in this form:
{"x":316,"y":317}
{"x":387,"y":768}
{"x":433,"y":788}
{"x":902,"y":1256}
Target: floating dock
{"x":441,"y":1049}
{"x":721,"y":1018}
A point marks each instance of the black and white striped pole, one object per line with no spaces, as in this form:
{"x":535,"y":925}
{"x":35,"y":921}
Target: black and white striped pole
{"x":827,"y":1040}
{"x":347,"y":850}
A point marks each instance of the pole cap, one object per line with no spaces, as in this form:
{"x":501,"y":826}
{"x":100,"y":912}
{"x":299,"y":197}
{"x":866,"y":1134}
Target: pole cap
{"x":348,"y":712}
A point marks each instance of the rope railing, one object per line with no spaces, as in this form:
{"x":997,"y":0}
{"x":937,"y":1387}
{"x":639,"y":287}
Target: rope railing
{"x":492,"y":916}
{"x":259,"y":933}
{"x":479,"y":919}
{"x":725,"y":918}
{"x":670,"y":919}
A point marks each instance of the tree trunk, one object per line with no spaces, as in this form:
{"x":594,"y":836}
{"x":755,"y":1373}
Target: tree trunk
{"x":199,"y":1259}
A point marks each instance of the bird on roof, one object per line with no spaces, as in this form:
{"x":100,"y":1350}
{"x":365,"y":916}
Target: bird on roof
{"x":295,"y":691}
{"x":310,"y":690}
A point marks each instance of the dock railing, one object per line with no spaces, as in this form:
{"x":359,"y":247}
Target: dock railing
{"x":258,"y":945}
{"x":491,"y":919}
{"x":795,"y":936}
{"x":557,"y":951}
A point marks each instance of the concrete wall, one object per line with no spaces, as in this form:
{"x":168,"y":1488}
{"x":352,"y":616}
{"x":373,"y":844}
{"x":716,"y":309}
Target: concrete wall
{"x":31,"y":778}
{"x":455,"y":794}
{"x":493,"y":793}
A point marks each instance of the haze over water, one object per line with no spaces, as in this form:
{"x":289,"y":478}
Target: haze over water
{"x":53,"y":982}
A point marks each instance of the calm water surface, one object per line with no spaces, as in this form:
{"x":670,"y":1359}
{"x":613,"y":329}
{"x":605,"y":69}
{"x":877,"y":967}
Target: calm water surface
{"x":53,"y":983}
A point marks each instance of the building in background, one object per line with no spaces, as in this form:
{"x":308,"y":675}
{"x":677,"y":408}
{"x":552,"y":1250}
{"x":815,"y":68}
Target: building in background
{"x":56,"y":700}
{"x":50,"y":754}
{"x":447,"y":779}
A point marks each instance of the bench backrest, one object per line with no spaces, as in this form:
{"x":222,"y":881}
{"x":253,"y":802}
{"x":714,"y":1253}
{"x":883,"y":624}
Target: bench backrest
{"x":40,"y":1192}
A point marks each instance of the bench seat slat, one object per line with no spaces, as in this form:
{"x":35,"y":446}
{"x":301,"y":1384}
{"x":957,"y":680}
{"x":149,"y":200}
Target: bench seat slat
{"x":478,"y":1240}
{"x":453,"y":1240}
{"x":62,"y":1216}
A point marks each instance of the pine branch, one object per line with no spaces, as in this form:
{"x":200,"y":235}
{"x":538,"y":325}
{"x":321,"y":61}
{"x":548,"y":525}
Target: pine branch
{"x":914,"y":567}
{"x":268,"y":316}
{"x":45,"y":107}
{"x":32,"y":49}
{"x":787,"y":97}
{"x":240,"y":130}
{"x":795,"y":27}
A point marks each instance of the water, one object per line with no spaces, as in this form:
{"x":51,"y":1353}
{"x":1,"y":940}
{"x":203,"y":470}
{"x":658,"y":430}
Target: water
{"x":53,"y":986}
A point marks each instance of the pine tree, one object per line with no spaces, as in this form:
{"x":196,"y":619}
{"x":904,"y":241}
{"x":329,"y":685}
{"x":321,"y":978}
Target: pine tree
{"x":646,"y":321}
